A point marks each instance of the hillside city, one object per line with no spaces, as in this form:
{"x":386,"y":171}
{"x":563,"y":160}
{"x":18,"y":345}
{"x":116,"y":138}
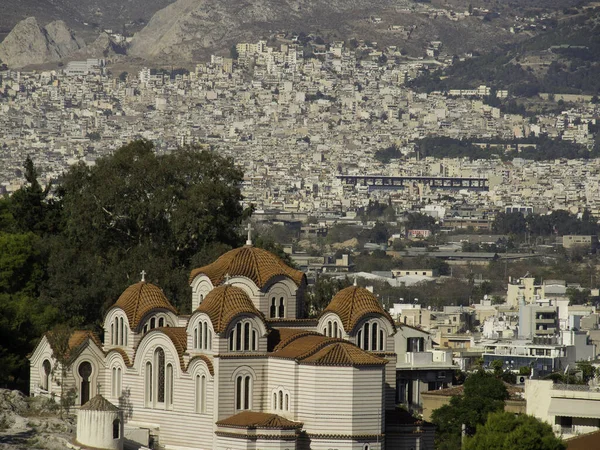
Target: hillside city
{"x":307,"y":131}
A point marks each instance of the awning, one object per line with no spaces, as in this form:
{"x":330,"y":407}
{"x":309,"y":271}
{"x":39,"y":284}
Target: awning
{"x":572,"y":407}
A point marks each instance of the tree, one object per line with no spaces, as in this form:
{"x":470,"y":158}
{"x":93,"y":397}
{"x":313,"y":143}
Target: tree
{"x":483,"y":393}
{"x":59,"y":338}
{"x":135,"y":210}
{"x":318,"y":295}
{"x":507,"y":431}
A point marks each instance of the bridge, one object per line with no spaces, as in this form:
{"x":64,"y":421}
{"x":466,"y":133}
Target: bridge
{"x":382,"y":182}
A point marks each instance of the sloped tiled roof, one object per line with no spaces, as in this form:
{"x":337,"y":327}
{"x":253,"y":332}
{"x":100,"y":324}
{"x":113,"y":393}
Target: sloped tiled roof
{"x":207,"y":360}
{"x":353,"y":303}
{"x":309,"y":347}
{"x":178,"y":336}
{"x":343,"y":354}
{"x":139,"y":299}
{"x":252,"y":419}
{"x":80,"y":336}
{"x":121,"y":352}
{"x":254,"y":263}
{"x":224,"y":303}
{"x":99,"y":403}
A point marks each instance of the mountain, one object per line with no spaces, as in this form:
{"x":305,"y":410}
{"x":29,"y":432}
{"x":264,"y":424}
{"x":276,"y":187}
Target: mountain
{"x":189,"y":29}
{"x":28,"y":43}
{"x":563,"y":60}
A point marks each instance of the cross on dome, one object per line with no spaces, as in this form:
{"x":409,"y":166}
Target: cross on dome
{"x":249,"y":240}
{"x":143,"y":274}
{"x":227,"y":277}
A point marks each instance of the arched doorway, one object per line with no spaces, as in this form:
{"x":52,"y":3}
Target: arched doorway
{"x":46,"y":377}
{"x":85,"y":371}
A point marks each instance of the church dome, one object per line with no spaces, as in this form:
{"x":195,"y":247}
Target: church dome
{"x":139,"y":299}
{"x":353,"y":303}
{"x":254,"y":263}
{"x":224,"y":303}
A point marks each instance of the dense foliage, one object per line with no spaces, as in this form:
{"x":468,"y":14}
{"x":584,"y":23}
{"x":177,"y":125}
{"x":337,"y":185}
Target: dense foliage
{"x":67,"y":260}
{"x":483,"y":394}
{"x":539,"y":148}
{"x":576,"y":42}
{"x":506,"y":431}
{"x":558,"y":222}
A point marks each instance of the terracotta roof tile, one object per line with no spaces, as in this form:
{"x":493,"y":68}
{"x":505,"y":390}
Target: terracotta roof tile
{"x":177,"y":335}
{"x":98,"y":403}
{"x":343,"y":354}
{"x":80,"y":336}
{"x":206,"y":359}
{"x":224,"y":303}
{"x":353,"y":303}
{"x":308,"y":347}
{"x":252,"y":419}
{"x":254,"y":263}
{"x":122,"y":353}
{"x":139,"y":299}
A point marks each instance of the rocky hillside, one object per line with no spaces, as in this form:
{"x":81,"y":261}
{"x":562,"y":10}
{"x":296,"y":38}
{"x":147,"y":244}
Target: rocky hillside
{"x":28,"y":43}
{"x":189,"y":29}
{"x":27,"y":423}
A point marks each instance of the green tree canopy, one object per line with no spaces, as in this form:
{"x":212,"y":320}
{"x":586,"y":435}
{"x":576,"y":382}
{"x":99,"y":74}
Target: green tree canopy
{"x":506,"y":431}
{"x":135,"y":210}
{"x":483,"y":393}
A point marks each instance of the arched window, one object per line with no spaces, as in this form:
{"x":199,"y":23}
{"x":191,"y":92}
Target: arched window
{"x":47,"y":370}
{"x":122,"y":331}
{"x":281,"y":307}
{"x":371,"y":337}
{"x":201,"y":394}
{"x":243,"y":337}
{"x":274,"y":400}
{"x":196,"y":337}
{"x":112,"y":334}
{"x":161,"y":322}
{"x":287,"y":402}
{"x":329,"y":328}
{"x":335,"y":329}
{"x":152,"y":323}
{"x":159,"y":360}
{"x":116,"y":331}
{"x":116,"y":429}
{"x":85,"y":371}
{"x":205,"y":333}
{"x":273,"y":308}
{"x":280,"y":399}
{"x":149,"y":384}
{"x":199,"y":335}
{"x":169,"y":386}
{"x":366,"y":447}
{"x":243,"y":392}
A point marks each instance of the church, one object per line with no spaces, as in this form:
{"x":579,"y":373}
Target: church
{"x":245,"y":370}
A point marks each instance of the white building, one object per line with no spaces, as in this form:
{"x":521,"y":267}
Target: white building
{"x":245,"y":370}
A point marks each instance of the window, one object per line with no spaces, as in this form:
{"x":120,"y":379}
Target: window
{"x":116,"y":331}
{"x":159,"y":358}
{"x":203,"y":336}
{"x":371,"y":337}
{"x":161,"y":322}
{"x":116,"y":384}
{"x":149,"y":384}
{"x":281,"y":400}
{"x":169,"y":383}
{"x":85,"y":371}
{"x":243,"y":337}
{"x":121,"y":331}
{"x":281,"y":307}
{"x":47,"y":370}
{"x":116,"y":429}
{"x":273,"y":308}
{"x":112,"y":334}
{"x":243,"y":392}
{"x":201,"y":394}
{"x":152,"y":323}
